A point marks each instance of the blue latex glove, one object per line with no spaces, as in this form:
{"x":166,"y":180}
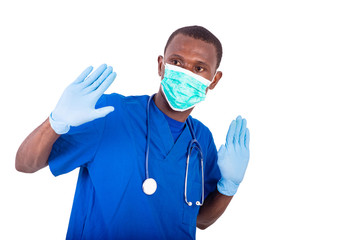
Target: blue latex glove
{"x":233,"y":157}
{"x":77,"y":103}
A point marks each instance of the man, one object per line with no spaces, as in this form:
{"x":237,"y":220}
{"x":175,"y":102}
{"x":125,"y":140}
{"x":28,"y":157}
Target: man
{"x":146,"y":165}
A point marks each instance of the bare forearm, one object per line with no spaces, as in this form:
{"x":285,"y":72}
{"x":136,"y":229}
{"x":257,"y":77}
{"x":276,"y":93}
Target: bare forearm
{"x":214,"y":206}
{"x":34,"y":152}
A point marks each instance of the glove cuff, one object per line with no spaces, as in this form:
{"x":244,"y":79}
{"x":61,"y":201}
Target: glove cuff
{"x":58,"y":127}
{"x":227,"y":187}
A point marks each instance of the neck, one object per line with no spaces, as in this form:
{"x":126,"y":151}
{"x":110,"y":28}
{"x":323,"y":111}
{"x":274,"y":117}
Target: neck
{"x":163,"y":105}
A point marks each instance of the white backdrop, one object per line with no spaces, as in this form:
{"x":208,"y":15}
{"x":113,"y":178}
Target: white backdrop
{"x":290,"y":67}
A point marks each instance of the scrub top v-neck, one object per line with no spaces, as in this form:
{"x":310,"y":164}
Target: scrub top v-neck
{"x":109,"y":202}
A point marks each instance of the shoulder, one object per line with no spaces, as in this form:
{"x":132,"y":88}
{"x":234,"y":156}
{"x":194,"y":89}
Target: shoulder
{"x":126,"y":108}
{"x":201,"y":130}
{"x":197,"y":124}
{"x":115,"y":99}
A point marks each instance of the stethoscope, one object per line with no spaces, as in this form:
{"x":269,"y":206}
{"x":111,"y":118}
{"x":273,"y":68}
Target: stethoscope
{"x":149,"y":185}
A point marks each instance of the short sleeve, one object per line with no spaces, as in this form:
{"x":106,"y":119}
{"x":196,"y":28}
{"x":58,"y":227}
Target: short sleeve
{"x":77,"y":147}
{"x":212,"y":173}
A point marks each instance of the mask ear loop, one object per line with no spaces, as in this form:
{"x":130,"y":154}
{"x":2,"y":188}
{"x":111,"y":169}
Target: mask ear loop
{"x":214,"y":77}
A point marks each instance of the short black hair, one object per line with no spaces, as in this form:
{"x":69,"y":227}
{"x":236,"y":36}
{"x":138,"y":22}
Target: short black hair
{"x":201,"y":33}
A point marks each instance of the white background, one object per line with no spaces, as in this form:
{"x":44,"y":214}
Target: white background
{"x":291,"y":68}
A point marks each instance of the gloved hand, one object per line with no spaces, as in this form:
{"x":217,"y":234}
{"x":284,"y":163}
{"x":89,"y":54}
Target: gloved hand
{"x":77,"y":103}
{"x":233,"y":157}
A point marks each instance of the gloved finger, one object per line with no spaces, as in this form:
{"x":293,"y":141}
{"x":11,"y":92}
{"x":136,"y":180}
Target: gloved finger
{"x":97,"y":83}
{"x":247,"y":138}
{"x":88,"y":81}
{"x":105,"y":84}
{"x":243,"y":129}
{"x":221,"y":154}
{"x":230,"y":134}
{"x":102,"y":112}
{"x":237,"y":129}
{"x":242,"y":139}
{"x":83,"y":75}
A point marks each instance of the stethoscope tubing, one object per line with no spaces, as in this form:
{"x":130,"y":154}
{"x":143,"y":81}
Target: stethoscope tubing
{"x":193,"y":144}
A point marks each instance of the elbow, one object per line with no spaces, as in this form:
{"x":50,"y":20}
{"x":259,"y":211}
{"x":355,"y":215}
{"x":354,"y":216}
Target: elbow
{"x":202,"y":225}
{"x":18,"y":165}
{"x":23,"y":165}
{"x":22,"y":168}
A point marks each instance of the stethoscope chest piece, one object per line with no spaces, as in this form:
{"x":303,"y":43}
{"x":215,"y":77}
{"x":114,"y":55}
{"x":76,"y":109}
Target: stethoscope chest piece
{"x":149,"y":186}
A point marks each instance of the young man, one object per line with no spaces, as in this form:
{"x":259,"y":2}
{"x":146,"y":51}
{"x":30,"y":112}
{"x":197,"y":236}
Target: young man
{"x":148,"y":170}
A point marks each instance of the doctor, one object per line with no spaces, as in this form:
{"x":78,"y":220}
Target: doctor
{"x":148,"y":170}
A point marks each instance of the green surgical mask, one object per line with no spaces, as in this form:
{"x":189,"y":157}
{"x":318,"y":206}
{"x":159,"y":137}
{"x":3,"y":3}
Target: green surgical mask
{"x":182,"y":88}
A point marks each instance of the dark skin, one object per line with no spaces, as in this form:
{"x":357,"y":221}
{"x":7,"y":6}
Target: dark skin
{"x":200,"y":58}
{"x":192,"y":54}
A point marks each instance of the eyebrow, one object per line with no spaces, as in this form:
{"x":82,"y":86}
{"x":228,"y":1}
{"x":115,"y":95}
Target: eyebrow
{"x":198,"y":62}
{"x":202,"y":63}
{"x":176,"y":55}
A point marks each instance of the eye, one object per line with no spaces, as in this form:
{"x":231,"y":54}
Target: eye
{"x":175,"y":62}
{"x":199,"y":69}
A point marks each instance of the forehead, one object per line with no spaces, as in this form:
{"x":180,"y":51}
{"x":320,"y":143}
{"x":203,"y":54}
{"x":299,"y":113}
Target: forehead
{"x":192,"y":49}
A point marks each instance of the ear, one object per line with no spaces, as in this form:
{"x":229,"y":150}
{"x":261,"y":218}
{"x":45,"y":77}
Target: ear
{"x":216,"y":80}
{"x":161,"y":68}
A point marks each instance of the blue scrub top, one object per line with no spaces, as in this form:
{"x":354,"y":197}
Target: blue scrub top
{"x":176,"y":127}
{"x":109,"y":202}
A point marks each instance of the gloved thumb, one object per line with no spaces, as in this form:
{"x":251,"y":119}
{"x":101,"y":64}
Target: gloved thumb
{"x":221,"y":152}
{"x":102,"y":112}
